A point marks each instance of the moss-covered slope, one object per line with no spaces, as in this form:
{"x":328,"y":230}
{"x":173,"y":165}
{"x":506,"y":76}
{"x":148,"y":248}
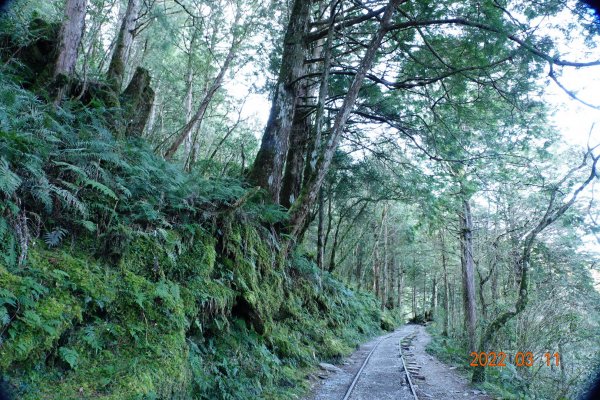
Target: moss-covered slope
{"x":122,"y":277}
{"x":75,"y":327}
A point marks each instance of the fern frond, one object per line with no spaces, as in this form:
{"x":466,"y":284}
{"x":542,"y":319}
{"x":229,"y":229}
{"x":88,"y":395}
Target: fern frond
{"x":69,"y":356}
{"x":41,"y":192}
{"x":9,"y":181}
{"x":105,"y":190}
{"x":55,"y":237}
{"x":70,"y":200}
{"x":88,"y":225}
{"x":73,"y":168}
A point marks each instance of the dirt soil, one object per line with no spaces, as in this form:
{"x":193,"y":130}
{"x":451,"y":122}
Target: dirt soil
{"x":441,"y":381}
{"x":383,"y":376}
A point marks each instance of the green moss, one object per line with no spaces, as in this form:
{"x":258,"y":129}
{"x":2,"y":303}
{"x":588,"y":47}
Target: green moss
{"x":163,"y":290}
{"x":387,"y":322}
{"x":203,"y":326}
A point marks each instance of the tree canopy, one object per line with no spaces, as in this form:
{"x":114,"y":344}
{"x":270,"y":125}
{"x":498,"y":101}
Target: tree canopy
{"x":409,"y":150}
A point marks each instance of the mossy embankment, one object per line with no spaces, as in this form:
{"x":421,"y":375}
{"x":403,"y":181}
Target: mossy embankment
{"x":122,"y":277}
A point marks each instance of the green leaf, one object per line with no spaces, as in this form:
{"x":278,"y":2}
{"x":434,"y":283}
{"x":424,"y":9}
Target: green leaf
{"x":9,"y":181}
{"x":88,"y":225}
{"x":69,"y":356}
{"x":102,"y":189}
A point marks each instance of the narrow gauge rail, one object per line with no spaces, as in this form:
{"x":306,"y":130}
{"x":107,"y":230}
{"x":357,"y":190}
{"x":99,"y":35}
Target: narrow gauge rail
{"x":364,"y":364}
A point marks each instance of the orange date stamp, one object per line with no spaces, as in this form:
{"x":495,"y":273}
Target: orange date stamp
{"x":520,"y":359}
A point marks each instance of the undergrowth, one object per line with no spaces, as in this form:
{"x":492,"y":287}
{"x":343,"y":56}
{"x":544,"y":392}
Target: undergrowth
{"x":122,"y":277}
{"x":502,"y":382}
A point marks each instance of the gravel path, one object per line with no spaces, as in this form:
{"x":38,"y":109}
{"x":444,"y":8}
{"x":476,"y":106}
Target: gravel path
{"x":383,"y":376}
{"x":441,"y":381}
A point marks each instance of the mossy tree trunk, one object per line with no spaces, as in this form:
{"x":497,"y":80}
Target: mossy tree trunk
{"x":300,"y":211}
{"x":69,"y":39}
{"x":468,"y":274}
{"x":120,"y":56}
{"x":336,"y":242}
{"x":268,"y":165}
{"x":320,"y":234}
{"x":294,"y":165}
{"x":137,"y":100}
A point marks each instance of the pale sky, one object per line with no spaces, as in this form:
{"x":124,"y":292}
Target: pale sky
{"x":572,"y":118}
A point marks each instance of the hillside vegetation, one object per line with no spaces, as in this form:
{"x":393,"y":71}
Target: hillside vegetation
{"x":203,"y":199}
{"x":124,"y":278}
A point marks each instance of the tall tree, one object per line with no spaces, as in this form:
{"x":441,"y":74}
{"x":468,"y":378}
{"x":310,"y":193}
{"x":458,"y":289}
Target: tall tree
{"x":70,"y":35}
{"x":468,"y":273}
{"x":300,"y":211}
{"x":196,"y":119}
{"x":268,"y":165}
{"x":125,"y":36}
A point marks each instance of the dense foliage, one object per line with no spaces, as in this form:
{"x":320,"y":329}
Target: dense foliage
{"x":152,"y":247}
{"x":141,"y":281}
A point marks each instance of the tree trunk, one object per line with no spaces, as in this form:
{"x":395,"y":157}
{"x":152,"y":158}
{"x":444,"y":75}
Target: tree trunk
{"x":196,"y":119}
{"x":116,"y":68}
{"x":376,"y":271}
{"x":336,"y":241}
{"x":359,"y":265}
{"x":414,"y":298}
{"x":189,"y":92}
{"x":70,"y":36}
{"x":320,"y":249}
{"x":482,"y":295}
{"x":323,"y":93}
{"x":433,"y":296}
{"x":446,"y":286}
{"x":400,"y":289}
{"x":138,"y":100}
{"x":385,"y":274}
{"x":294,"y":165}
{"x":424,"y":308}
{"x":468,"y":274}
{"x":268,"y":166}
{"x":301,"y":209}
{"x":297,"y":166}
{"x":329,"y":216}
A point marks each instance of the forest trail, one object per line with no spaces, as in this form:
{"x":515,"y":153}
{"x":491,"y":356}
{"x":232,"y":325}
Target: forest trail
{"x":383,"y":375}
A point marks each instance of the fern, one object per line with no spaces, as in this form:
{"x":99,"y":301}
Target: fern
{"x":101,"y":188}
{"x":91,"y":338}
{"x":7,"y":297}
{"x":69,"y":356}
{"x":88,"y":225}
{"x":4,"y":317}
{"x":72,"y":168}
{"x":55,"y":237}
{"x":4,"y":230}
{"x":9,"y":181}
{"x":41,"y":192}
{"x":70,"y":200}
